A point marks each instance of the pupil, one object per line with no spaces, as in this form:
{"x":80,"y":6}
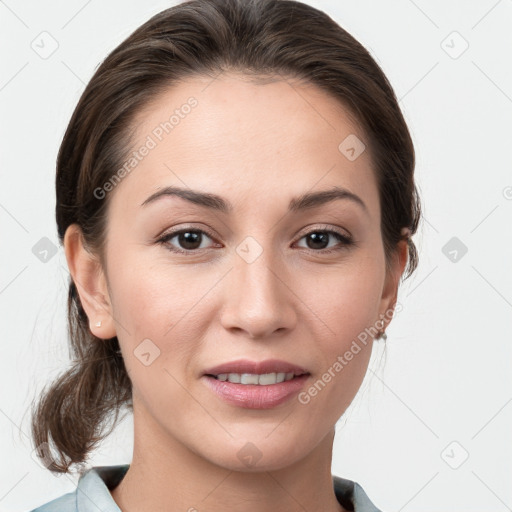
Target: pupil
{"x":318,"y":238}
{"x":190,"y":237}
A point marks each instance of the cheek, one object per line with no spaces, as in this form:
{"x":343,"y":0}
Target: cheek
{"x":347,"y":299}
{"x":347,"y":308}
{"x":147,"y":292}
{"x":347,"y":303}
{"x":155,"y":329}
{"x":165,"y":304}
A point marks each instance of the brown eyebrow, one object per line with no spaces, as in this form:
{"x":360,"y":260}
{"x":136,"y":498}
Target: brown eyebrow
{"x":215,"y":202}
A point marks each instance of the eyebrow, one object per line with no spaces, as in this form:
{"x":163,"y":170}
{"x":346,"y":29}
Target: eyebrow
{"x":218,"y":203}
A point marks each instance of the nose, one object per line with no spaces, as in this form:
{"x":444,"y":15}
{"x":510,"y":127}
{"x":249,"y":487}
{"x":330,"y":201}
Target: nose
{"x":259,"y":300}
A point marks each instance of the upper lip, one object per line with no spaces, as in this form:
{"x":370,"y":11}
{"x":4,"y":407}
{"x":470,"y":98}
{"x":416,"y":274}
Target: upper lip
{"x":256,"y":367}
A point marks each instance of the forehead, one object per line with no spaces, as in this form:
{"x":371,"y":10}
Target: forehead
{"x":234,"y":137}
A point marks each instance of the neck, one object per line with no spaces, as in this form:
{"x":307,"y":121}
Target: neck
{"x":165,"y":475}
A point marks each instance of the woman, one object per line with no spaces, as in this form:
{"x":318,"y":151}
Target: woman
{"x":236,"y":200}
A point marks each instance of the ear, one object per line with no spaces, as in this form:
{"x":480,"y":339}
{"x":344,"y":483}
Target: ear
{"x":89,"y":278}
{"x":392,"y":280}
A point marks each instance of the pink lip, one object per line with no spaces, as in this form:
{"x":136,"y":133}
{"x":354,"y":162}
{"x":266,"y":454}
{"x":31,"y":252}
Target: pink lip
{"x":254,"y":396}
{"x":259,"y":367}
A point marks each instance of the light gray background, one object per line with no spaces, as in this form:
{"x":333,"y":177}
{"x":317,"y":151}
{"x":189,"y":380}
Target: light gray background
{"x":445,"y":390}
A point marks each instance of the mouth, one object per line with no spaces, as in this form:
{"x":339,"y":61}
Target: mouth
{"x":255,"y":379}
{"x":263,"y":373}
{"x":256,"y":385}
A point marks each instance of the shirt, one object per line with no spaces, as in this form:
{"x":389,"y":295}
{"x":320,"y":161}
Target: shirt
{"x":92,"y":493}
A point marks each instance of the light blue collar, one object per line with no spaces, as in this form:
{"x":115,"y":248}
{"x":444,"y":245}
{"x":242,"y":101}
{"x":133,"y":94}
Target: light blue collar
{"x":93,"y":493}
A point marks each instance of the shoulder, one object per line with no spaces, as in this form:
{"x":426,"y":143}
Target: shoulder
{"x":64,"y":503}
{"x":352,"y":496}
{"x":92,"y":492}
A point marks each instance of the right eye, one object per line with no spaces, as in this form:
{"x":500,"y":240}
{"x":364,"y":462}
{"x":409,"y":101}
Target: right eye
{"x":190,"y":240}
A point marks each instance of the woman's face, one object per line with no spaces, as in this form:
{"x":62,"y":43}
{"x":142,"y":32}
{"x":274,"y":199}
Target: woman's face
{"x":261,"y":275}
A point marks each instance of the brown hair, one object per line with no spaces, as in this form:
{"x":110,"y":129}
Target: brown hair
{"x":199,"y":37}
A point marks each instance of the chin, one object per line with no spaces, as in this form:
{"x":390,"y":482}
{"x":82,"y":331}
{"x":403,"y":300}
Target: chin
{"x":256,"y":456}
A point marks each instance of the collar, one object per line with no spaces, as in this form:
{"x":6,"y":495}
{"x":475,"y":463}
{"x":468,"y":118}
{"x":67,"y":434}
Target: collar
{"x":95,"y":484}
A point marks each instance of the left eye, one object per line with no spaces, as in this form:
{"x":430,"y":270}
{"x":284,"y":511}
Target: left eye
{"x":191,"y":239}
{"x":321,"y":237}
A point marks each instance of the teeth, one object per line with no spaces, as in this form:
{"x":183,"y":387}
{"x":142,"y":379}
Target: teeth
{"x":265,"y":379}
{"x":249,"y":378}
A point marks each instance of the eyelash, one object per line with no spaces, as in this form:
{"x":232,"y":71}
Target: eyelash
{"x":345,"y":240}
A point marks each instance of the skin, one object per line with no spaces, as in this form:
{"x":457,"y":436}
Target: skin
{"x":257,"y":146}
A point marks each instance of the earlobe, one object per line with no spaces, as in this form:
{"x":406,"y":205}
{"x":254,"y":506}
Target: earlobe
{"x":89,"y":278}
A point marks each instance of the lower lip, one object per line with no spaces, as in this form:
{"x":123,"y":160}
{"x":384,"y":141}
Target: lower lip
{"x":253,"y":396}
